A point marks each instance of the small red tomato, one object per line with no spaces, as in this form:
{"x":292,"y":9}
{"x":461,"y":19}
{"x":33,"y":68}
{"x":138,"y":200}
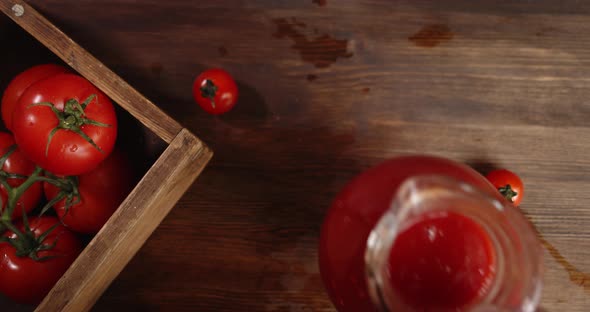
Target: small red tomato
{"x":101,"y":191}
{"x":27,"y":281}
{"x":508,"y":183}
{"x":21,"y":82}
{"x":215,"y":91}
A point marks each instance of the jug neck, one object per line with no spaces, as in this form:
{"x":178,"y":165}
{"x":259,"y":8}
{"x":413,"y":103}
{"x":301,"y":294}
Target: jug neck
{"x":496,"y":232}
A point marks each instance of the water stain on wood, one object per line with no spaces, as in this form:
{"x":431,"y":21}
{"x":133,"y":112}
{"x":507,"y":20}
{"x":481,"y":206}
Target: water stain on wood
{"x":312,"y":77}
{"x":366,"y":90}
{"x":320,"y":2}
{"x":431,"y":35}
{"x":295,"y":22}
{"x":575,"y":275}
{"x":222,"y":51}
{"x":321,"y":51}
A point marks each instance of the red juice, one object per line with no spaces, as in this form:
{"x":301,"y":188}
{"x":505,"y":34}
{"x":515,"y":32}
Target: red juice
{"x":444,"y":261}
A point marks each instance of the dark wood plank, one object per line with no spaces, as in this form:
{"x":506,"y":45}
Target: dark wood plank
{"x":328,"y":89}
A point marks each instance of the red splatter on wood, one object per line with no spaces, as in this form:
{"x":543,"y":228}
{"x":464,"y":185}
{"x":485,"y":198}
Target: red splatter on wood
{"x":320,"y":2}
{"x":321,"y":51}
{"x":222,"y":51}
{"x":432,"y":35}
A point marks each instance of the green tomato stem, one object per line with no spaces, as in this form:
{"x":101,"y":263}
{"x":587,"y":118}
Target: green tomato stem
{"x":72,"y":118}
{"x":507,"y":192}
{"x":8,"y":225}
{"x":56,"y":182}
{"x":15,"y":193}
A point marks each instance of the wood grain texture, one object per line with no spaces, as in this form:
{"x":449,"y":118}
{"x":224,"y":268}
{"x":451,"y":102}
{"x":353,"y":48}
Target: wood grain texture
{"x":504,"y":84}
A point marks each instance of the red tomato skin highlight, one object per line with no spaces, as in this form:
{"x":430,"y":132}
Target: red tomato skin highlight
{"x":502,"y":177}
{"x":226,"y":95}
{"x":20,"y":83}
{"x":68,"y":153}
{"x":26,"y":281}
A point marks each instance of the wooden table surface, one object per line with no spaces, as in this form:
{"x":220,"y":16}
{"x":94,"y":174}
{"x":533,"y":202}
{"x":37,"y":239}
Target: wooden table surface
{"x":329,"y":88}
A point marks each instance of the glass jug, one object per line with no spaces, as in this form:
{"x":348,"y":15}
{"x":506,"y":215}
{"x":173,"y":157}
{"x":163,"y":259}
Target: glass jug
{"x":423,"y":233}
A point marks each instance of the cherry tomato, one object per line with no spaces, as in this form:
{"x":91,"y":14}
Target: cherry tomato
{"x":17,"y":163}
{"x":508,"y":183}
{"x":215,"y":91}
{"x":27,"y":281}
{"x":21,"y":82}
{"x":101,"y":192}
{"x":65,"y":124}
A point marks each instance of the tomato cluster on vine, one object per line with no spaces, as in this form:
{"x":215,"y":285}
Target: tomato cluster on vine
{"x":61,"y":176}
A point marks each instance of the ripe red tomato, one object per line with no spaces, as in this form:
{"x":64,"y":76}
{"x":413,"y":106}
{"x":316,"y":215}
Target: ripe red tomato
{"x":21,"y":82}
{"x":215,"y":91}
{"x":508,"y":183}
{"x":85,"y":135}
{"x":27,"y":281}
{"x":101,"y":191}
{"x":17,"y":163}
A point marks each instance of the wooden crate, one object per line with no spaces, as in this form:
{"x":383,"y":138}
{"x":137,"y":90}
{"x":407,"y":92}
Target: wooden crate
{"x":183,"y":158}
